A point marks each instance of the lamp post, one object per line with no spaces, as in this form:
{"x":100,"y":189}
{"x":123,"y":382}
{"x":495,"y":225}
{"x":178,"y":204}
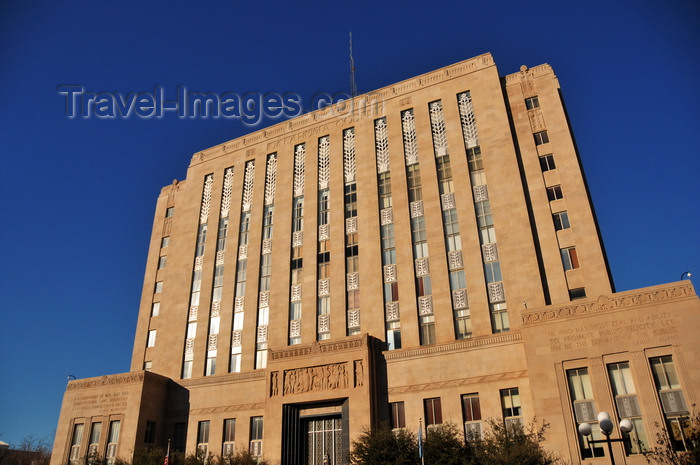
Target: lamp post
{"x":606,"y":427}
{"x":685,"y":275}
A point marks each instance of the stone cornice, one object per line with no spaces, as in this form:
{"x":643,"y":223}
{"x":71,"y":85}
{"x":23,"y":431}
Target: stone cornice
{"x":535,"y":71}
{"x":223,"y":379}
{"x":647,"y":296}
{"x":441,"y":385}
{"x":141,"y":377}
{"x":313,"y":123}
{"x":497,"y":339}
{"x":316,"y":348}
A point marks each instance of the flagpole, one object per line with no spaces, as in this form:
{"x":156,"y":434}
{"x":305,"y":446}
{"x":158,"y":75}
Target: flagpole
{"x":420,"y":441}
{"x":167,"y":455}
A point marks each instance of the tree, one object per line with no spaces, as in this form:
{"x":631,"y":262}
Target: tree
{"x":665,"y":454}
{"x":445,"y":445}
{"x":506,"y":445}
{"x":30,"y":451}
{"x":382,"y":446}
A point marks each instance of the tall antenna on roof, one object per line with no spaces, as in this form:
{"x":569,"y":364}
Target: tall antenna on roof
{"x":353,"y":87}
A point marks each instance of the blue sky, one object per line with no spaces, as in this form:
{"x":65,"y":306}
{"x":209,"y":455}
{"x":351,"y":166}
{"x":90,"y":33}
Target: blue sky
{"x":77,"y":195}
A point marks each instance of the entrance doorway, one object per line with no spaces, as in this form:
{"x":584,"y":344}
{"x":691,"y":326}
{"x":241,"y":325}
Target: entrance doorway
{"x":324,"y":440}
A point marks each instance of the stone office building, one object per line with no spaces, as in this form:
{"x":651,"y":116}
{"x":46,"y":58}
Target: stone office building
{"x":429,"y":255}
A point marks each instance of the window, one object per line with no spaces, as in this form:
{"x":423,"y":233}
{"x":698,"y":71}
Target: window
{"x":561,"y":221}
{"x":547,"y":163}
{"x":569,"y":258}
{"x":398,"y":417}
{"x":628,"y":407}
{"x":541,"y":137}
{"x":210,"y":368}
{"x":150,"y":435}
{"x":673,"y":402}
{"x":151,"y":338}
{"x":179,"y":436}
{"x":159,"y":287}
{"x":578,"y":293}
{"x":229,"y":437}
{"x":554,"y":193}
{"x":155,"y":309}
{"x":532,"y":103}
{"x":582,"y":401}
{"x":203,"y":437}
{"x":112,"y":440}
{"x":95,"y":433}
{"x":256,"y":436}
{"x":169,"y":212}
{"x":147,"y":365}
{"x":161,"y":262}
{"x":187,"y":369}
{"x":471,"y":415}
{"x":164,"y":242}
{"x":74,"y":457}
{"x":512,"y":410}
{"x":433,"y":411}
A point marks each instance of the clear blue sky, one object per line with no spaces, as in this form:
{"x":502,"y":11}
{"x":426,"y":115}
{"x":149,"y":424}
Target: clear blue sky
{"x":77,"y":195}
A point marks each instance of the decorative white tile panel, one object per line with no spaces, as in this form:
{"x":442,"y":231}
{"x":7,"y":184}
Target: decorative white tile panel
{"x":416,"y":209}
{"x":324,"y":287}
{"x":392,"y":311}
{"x":490,"y":252}
{"x":198,"y":261}
{"x":216,"y":308}
{"x":480,"y":193}
{"x":349,"y":154}
{"x":299,"y":169}
{"x":437,"y":125}
{"x":422,"y":266}
{"x":454,"y":260}
{"x":226,"y":192}
{"x":264,"y":299}
{"x":324,"y":232}
{"x":297,"y":238}
{"x":353,"y":281}
{"x":295,"y":295}
{"x":448,"y":201}
{"x":324,"y":159}
{"x":295,"y":328}
{"x":206,"y":199}
{"x":189,"y":346}
{"x":271,"y":179}
{"x":220,"y":257}
{"x":466,"y":116}
{"x":193,"y":313}
{"x":237,"y":338}
{"x":459,"y":299}
{"x":213,"y":338}
{"x":354,"y":319}
{"x":425,"y":305}
{"x":243,"y":252}
{"x":381,"y":138}
{"x":351,"y":225}
{"x":248,"y":180}
{"x":266,"y":246}
{"x":262,"y":334}
{"x":324,"y":323}
{"x":239,"y":304}
{"x":496,"y":292}
{"x":389,"y":273}
{"x":410,"y":141}
{"x":386,"y":216}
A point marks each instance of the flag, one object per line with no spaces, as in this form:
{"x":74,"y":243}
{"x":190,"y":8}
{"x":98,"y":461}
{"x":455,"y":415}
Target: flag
{"x":167,"y":455}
